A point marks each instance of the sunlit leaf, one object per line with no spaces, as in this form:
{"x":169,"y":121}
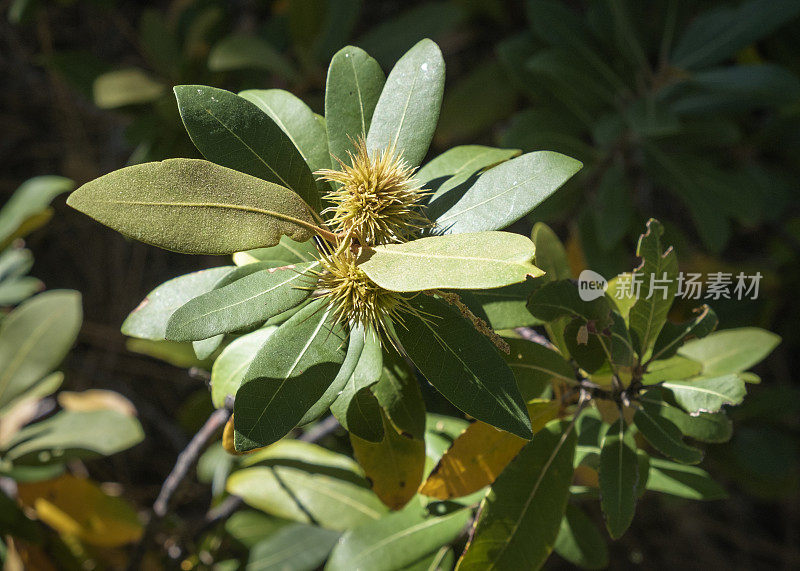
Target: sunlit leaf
{"x":194,"y":206}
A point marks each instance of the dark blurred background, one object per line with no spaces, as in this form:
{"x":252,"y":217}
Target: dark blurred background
{"x":688,"y":111}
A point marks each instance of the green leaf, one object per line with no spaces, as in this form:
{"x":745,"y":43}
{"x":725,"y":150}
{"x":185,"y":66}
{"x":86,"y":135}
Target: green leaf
{"x":535,"y":367}
{"x":240,"y":51}
{"x":551,"y":256}
{"x":288,"y":375}
{"x":456,"y":166}
{"x":16,"y":290}
{"x":504,"y":307}
{"x":502,"y":195}
{"x":481,"y":260}
{"x":731,"y":350}
{"x":612,"y":209}
{"x":149,"y":319}
{"x":246,"y":302}
{"x":647,"y":316}
{"x":308,"y":494}
{"x":231,"y":131}
{"x":249,"y":527}
{"x":195,"y":207}
{"x":561,"y":299}
{"x":399,"y":395}
{"x":618,"y":478}
{"x":704,"y":426}
{"x":407,"y":111}
{"x":353,"y":87}
{"x":356,"y":408}
{"x":126,"y":87}
{"x":675,"y":367}
{"x":286,"y":251}
{"x":663,"y":435}
{"x":43,"y":388}
{"x":35,"y":338}
{"x":580,"y":542}
{"x":481,"y":98}
{"x":298,"y":546}
{"x":707,"y":394}
{"x":355,"y":345}
{"x":682,"y":481}
{"x":719,"y":33}
{"x":74,"y":434}
{"x":396,"y":540}
{"x":231,"y":365}
{"x":305,"y":129}
{"x":204,"y":348}
{"x":521,"y":516}
{"x":673,"y":335}
{"x":463,"y":365}
{"x":30,"y":199}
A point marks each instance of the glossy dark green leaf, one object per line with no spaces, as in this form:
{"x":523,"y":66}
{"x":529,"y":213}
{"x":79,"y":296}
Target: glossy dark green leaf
{"x":353,"y":87}
{"x":504,"y":307}
{"x":561,"y":299}
{"x":355,"y":345}
{"x":705,"y":427}
{"x":356,"y":408}
{"x":618,"y":478}
{"x":580,"y":542}
{"x":408,"y":108}
{"x":149,"y":319}
{"x":520,"y":518}
{"x":168,"y":203}
{"x":463,"y":365}
{"x":504,"y":194}
{"x":479,"y":260}
{"x":74,"y":434}
{"x":706,"y":394}
{"x":673,"y":335}
{"x":399,"y":395}
{"x":35,"y":338}
{"x":231,"y":365}
{"x":233,"y":132}
{"x":396,"y":540}
{"x":731,"y":350}
{"x":683,"y":481}
{"x":246,"y":302}
{"x":288,"y":375}
{"x":664,"y":435}
{"x":649,"y":312}
{"x":305,"y":128}
{"x":298,"y":546}
{"x":536,"y":367}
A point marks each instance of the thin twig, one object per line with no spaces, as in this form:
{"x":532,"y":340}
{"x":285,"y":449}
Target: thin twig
{"x":186,"y":460}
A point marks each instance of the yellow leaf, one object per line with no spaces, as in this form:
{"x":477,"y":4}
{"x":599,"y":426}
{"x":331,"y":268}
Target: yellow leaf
{"x":96,"y":399}
{"x":394,"y":466}
{"x":78,"y":508}
{"x":480,"y":453}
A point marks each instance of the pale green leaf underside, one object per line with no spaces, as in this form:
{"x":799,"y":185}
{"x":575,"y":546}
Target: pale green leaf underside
{"x":481,"y":260}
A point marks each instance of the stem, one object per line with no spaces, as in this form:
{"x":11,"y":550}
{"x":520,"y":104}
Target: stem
{"x":186,"y":460}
